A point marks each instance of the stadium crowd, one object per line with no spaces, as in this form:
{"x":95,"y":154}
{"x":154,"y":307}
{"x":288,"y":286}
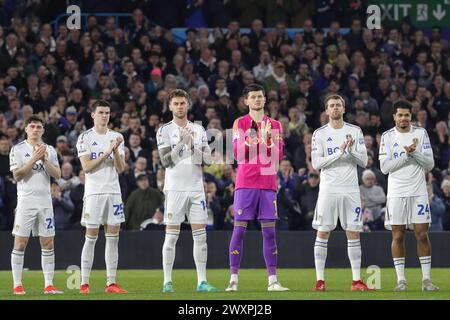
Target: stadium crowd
{"x":59,"y":74}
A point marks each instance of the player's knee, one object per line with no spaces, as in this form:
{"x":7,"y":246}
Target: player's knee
{"x":47,"y":243}
{"x":171,"y":237}
{"x":398,"y":237}
{"x":351,"y":235}
{"x":422,"y":236}
{"x":323,"y":234}
{"x":91,"y":232}
{"x":20,"y":244}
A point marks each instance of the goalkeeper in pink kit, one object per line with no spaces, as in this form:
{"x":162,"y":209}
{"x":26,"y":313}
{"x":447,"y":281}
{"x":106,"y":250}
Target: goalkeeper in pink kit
{"x":258,"y":148}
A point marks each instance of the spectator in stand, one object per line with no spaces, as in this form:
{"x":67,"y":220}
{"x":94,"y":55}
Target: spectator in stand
{"x":142,"y":203}
{"x":373,"y":198}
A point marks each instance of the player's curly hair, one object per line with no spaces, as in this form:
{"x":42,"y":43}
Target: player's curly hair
{"x":34,"y":118}
{"x":178,"y":93}
{"x":401,"y":104}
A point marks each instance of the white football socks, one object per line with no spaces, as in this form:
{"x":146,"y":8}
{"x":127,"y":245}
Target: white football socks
{"x":17,"y":266}
{"x":48,"y":265}
{"x":200,"y":253}
{"x":111,"y":257}
{"x":320,"y":257}
{"x":87,"y":258}
{"x":425,"y":263}
{"x":399,"y":264}
{"x":354,"y":255}
{"x":168,"y":252}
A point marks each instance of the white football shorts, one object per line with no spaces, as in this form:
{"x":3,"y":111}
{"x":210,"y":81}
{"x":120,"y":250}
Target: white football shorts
{"x":102,"y":209}
{"x":181,"y":204}
{"x":330,"y":207}
{"x":407,"y":211}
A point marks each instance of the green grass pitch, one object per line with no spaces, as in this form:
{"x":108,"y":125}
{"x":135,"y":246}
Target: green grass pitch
{"x":147,"y":284}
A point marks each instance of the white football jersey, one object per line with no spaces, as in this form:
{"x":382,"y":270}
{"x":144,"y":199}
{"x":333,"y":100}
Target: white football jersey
{"x":338,"y":171}
{"x":406,"y":174}
{"x":34,"y":189}
{"x":185,"y":175}
{"x":104,"y":178}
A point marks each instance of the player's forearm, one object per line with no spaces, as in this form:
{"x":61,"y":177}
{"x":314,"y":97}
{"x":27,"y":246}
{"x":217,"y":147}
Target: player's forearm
{"x":202,"y":156}
{"x":119,"y":162}
{"x":241,"y":151}
{"x":360,"y":158}
{"x":92,"y":164}
{"x":319,"y":162}
{"x":276,"y":151}
{"x":52,"y":170}
{"x":391,"y":165}
{"x":170,"y":157}
{"x":22,"y":172}
{"x":425,"y":160}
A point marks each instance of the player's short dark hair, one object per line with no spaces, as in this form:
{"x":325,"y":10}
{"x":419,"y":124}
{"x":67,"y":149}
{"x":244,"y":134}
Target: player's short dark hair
{"x":402,"y":104}
{"x":334,"y":96}
{"x":178,"y":93}
{"x":34,"y":118}
{"x":253,"y":87}
{"x":100,"y":103}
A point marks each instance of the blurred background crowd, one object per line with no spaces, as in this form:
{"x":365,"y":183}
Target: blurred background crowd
{"x":58,"y":73}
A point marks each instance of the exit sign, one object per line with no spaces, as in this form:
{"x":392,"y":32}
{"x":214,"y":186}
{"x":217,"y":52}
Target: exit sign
{"x":422,"y":13}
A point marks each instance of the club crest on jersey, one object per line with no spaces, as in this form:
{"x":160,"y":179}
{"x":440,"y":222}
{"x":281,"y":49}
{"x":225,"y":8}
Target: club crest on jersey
{"x":87,"y":215}
{"x":361,"y":140}
{"x":16,"y":227}
{"x":239,"y":211}
{"x":416,"y":141}
{"x":169,"y":215}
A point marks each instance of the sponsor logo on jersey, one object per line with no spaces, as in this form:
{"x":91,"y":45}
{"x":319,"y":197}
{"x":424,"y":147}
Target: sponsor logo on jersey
{"x":330,"y":151}
{"x":395,"y":144}
{"x":329,"y":139}
{"x":27,"y":155}
{"x":235,"y":252}
{"x":94,"y":143}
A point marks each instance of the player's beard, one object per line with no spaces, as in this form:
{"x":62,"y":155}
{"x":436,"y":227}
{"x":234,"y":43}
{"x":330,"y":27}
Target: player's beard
{"x":180,"y":115}
{"x":403,"y":125}
{"x":335,"y":116}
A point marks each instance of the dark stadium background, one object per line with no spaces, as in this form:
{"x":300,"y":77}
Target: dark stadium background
{"x":132,"y":58}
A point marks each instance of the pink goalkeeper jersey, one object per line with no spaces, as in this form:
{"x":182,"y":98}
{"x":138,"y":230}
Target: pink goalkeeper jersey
{"x":257,"y":158}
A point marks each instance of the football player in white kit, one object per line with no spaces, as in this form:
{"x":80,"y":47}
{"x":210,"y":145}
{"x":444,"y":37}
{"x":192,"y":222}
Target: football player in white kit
{"x":183,"y":147}
{"x":337,"y":149}
{"x":406,"y":155}
{"x":102,"y":153}
{"x":32,"y":163}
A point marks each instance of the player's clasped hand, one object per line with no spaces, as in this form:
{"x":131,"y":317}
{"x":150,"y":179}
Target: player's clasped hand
{"x":39,"y":153}
{"x":410,"y":149}
{"x":114,"y":145}
{"x":186,"y":136}
{"x":344,"y":146}
{"x":266,"y":131}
